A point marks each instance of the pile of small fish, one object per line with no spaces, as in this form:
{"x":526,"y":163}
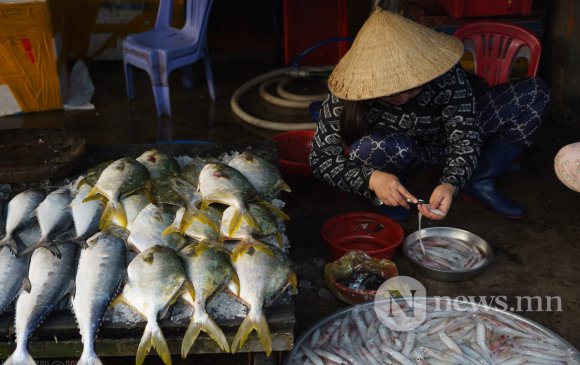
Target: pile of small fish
{"x":446,"y":253}
{"x":196,"y":230}
{"x":447,"y":336}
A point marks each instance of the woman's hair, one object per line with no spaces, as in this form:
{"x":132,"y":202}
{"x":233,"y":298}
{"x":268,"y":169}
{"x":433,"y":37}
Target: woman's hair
{"x":352,"y":121}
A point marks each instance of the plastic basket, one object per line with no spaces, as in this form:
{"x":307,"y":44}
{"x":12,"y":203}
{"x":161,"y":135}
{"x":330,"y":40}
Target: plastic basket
{"x":293,"y":149}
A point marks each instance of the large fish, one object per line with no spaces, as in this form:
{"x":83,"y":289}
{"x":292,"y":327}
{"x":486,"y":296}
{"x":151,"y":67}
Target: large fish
{"x":54,"y":218}
{"x":263,"y":274}
{"x":220,"y":183}
{"x":119,"y":179}
{"x":86,"y":215}
{"x":198,"y":230}
{"x":51,"y":279}
{"x":209,"y":269}
{"x":148,"y":227}
{"x":156,"y":279}
{"x":158,"y":164}
{"x":19,"y":215}
{"x":101,"y":270}
{"x":262,"y":174}
{"x":267,"y":225}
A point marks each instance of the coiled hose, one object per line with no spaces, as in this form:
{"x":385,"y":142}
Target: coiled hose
{"x":283,"y":77}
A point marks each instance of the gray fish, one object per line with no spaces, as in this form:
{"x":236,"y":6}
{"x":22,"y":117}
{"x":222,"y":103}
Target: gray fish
{"x":191,"y":170}
{"x":85,"y":215}
{"x":101,"y":270}
{"x":158,"y":164}
{"x":262,"y":274}
{"x":155,"y":280}
{"x":266,"y":220}
{"x":220,"y":183}
{"x":209,"y":269}
{"x":19,"y":215}
{"x":51,"y":278}
{"x":119,"y":179}
{"x":54,"y":218}
{"x":148,"y":227}
{"x":262,"y":174}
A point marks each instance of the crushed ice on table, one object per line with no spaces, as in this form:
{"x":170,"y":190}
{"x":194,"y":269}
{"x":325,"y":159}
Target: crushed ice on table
{"x":183,"y":160}
{"x":122,"y":313}
{"x":224,"y":306}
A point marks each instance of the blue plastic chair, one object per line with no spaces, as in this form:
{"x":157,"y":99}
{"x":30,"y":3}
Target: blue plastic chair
{"x":164,"y":49}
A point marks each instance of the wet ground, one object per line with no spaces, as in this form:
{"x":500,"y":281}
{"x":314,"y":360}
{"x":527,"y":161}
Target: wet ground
{"x":534,"y":257}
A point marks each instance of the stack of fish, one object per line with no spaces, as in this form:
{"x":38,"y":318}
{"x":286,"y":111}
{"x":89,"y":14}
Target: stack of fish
{"x":198,"y":229}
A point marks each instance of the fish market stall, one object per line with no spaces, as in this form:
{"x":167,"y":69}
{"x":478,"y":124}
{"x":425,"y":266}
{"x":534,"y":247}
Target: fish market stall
{"x":168,"y":249}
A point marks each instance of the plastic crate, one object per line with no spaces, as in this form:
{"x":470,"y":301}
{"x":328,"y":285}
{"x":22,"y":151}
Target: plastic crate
{"x":307,"y":23}
{"x":480,"y":8}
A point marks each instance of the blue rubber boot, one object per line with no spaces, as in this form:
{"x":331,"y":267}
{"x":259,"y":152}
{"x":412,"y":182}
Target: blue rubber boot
{"x":495,"y":161}
{"x":399,"y":214}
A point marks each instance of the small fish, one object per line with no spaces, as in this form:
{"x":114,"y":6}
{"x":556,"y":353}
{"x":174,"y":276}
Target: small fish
{"x":209,"y":269}
{"x":101,"y":270}
{"x":20,"y":215}
{"x":155,"y":280}
{"x":13,"y":275}
{"x":158,"y":164}
{"x":148,"y":228}
{"x":119,"y":179}
{"x":51,"y":278}
{"x":262,"y":275}
{"x":54,"y":218}
{"x":262,"y":174}
{"x":85,"y":215}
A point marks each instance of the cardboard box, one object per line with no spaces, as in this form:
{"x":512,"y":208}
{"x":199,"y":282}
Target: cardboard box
{"x":29,"y":79}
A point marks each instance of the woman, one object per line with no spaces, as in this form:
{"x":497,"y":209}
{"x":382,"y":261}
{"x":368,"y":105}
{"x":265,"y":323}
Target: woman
{"x":401,"y":104}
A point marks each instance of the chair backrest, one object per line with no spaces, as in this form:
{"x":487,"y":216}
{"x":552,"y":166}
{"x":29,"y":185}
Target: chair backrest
{"x":196,"y":16}
{"x":496,"y":45}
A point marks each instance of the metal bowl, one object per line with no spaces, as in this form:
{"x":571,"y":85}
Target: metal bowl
{"x":459,"y":234}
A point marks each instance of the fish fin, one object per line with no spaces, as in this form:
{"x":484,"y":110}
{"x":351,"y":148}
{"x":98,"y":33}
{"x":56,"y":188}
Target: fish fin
{"x":89,"y":358}
{"x":189,"y":216}
{"x":201,"y":247}
{"x":53,"y":248}
{"x":121,"y":232}
{"x":235,"y":222}
{"x":278,"y":212}
{"x":293,"y":280}
{"x":148,"y":257}
{"x":94,"y":194}
{"x":189,"y":289}
{"x":26,"y":285}
{"x":236,"y":280}
{"x":119,"y":299}
{"x":82,"y":182}
{"x":153,"y":337}
{"x":42,"y":243}
{"x":260,"y":324}
{"x":208,"y":326}
{"x":171,"y":229}
{"x":204,"y":204}
{"x":113,"y":211}
{"x":282,"y":185}
{"x":20,"y":356}
{"x":10,"y":242}
{"x":279,"y":239}
{"x":239,"y":250}
{"x":262,"y":247}
{"x":188,"y":250}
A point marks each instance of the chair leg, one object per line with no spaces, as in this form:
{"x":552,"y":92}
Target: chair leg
{"x":209,"y":75}
{"x":187,"y":76}
{"x":129,"y":81}
{"x":162,"y":101}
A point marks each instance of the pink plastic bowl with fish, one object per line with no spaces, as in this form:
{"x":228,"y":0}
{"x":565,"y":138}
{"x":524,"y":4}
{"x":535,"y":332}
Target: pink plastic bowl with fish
{"x":375,"y":234}
{"x":450,"y":254}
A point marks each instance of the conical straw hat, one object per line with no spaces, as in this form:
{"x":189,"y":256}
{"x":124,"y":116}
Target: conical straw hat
{"x":391,"y":54}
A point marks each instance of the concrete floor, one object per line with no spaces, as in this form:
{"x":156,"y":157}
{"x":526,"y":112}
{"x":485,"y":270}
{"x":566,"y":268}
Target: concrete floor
{"x":535,"y":256}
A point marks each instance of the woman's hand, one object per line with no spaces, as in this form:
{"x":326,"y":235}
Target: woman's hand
{"x":441,"y":199}
{"x":389,"y":189}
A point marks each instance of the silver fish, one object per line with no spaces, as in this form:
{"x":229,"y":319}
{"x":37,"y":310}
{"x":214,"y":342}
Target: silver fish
{"x":101,"y":270}
{"x":54,"y":218}
{"x":156,"y":279}
{"x":51,"y":278}
{"x":263,"y":274}
{"x":158,"y":164}
{"x":85,"y":215}
{"x":262,"y":174}
{"x":148,"y":229}
{"x":209,"y":269}
{"x":119,"y":179}
{"x":20,"y":215}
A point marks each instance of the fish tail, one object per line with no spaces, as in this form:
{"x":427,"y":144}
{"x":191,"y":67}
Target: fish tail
{"x":170,"y":229}
{"x":283,"y":186}
{"x":94,"y":194}
{"x":235,"y":222}
{"x":258,"y":322}
{"x":20,"y":356}
{"x":276,"y":211}
{"x":207,"y":325}
{"x":153,"y":337}
{"x":279,"y":239}
{"x":293,"y":280}
{"x":44,"y":242}
{"x":188,"y":217}
{"x":9,"y":242}
{"x":113,"y":212}
{"x":89,"y":357}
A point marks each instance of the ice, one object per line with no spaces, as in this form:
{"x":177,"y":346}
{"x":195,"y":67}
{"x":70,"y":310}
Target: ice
{"x":122,"y":313}
{"x":224,"y":306}
{"x":180,"y":312}
{"x":183,"y":160}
